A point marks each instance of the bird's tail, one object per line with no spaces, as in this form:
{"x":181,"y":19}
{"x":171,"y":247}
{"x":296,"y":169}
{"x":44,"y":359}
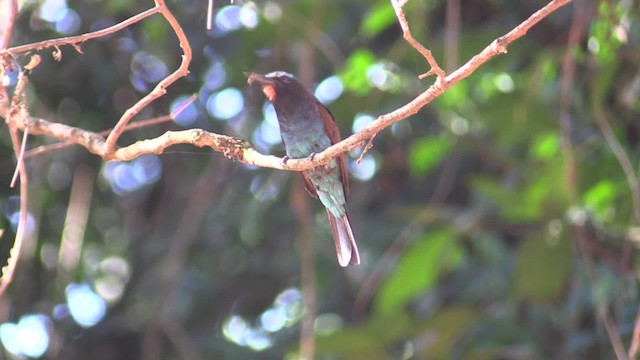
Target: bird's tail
{"x":346,"y":247}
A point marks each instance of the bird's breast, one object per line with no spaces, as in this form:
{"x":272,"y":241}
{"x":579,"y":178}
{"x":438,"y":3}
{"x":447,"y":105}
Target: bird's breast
{"x":303,"y":133}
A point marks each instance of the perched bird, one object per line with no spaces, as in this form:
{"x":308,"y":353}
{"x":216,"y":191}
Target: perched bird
{"x":307,"y":128}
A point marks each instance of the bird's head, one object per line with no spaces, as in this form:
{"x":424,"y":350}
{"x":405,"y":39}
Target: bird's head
{"x":276,"y":84}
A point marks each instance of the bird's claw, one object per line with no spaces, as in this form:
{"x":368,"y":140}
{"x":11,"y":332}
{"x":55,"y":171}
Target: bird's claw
{"x":311,"y":156}
{"x":284,"y":160}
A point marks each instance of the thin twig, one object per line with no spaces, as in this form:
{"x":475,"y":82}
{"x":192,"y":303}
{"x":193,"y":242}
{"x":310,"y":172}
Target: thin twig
{"x":621,"y":156}
{"x":242,"y":151}
{"x":601,"y":309}
{"x":43,"y":149}
{"x":75,"y":40}
{"x":452,"y":33}
{"x":367,"y":147}
{"x":566,"y":93}
{"x":20,"y":160}
{"x":14,"y":255}
{"x":160,"y":89}
{"x":210,"y":15}
{"x":406,"y":32}
{"x":580,"y":19}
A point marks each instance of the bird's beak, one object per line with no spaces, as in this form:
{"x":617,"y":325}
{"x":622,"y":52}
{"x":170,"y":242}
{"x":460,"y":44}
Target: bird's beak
{"x":255,"y":77}
{"x":267,"y":84}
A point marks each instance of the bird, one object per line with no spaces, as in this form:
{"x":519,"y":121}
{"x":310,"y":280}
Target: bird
{"x":307,"y":127}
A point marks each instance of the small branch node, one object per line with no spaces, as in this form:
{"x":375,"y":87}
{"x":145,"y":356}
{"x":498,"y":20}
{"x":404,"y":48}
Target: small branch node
{"x":366,"y":148}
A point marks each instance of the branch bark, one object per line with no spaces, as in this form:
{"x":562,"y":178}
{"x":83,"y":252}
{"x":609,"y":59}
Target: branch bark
{"x":243,"y":151}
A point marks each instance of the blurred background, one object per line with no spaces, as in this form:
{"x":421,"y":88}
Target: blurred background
{"x":497,"y":223}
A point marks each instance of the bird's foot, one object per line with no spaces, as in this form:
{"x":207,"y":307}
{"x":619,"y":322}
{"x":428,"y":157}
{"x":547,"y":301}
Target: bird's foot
{"x":284,"y":160}
{"x":311,"y":156}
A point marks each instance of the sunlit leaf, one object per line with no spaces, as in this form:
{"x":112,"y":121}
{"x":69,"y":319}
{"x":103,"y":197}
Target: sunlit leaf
{"x":354,"y":76}
{"x":545,"y":146}
{"x":601,"y":196}
{"x":426,"y":153}
{"x":418,"y":269}
{"x":377,"y":19}
{"x":454,"y":96}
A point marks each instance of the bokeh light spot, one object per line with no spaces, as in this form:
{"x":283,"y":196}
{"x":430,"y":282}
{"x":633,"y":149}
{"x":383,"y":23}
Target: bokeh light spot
{"x":272,"y":12}
{"x":504,"y":82}
{"x":225,"y":104}
{"x":69,"y":23}
{"x":326,"y":324}
{"x":228,"y":18}
{"x":148,"y":67}
{"x":365,"y":170}
{"x":188,"y":115}
{"x":329,"y":90}
{"x":53,"y":10}
{"x":85,"y":306}
{"x":249,"y":16}
{"x":30,"y":337}
{"x":361,"y":121}
{"x":267,"y":133}
{"x":216,"y":76}
{"x":273,"y":320}
{"x":126,"y":177}
{"x":147,"y":169}
{"x":381,"y":76}
{"x":30,"y":225}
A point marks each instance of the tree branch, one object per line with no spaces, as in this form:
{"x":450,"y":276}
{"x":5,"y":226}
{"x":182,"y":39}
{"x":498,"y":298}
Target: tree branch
{"x":243,"y":151}
{"x":74,"y":40}
{"x":160,"y":89}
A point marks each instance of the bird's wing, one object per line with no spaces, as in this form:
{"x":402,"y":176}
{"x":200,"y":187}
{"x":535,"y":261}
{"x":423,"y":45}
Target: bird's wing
{"x":332,"y":129}
{"x":309,"y":186}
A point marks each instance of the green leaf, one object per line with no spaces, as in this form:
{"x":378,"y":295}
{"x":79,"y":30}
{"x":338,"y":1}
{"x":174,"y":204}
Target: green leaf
{"x":447,"y":326}
{"x":455,"y":96}
{"x":354,"y":75}
{"x":426,"y":153}
{"x":545,"y":146}
{"x":351,"y":344}
{"x":542,"y":268}
{"x":377,"y":19}
{"x":600,"y":197}
{"x":418,"y":269}
{"x":388,"y":327}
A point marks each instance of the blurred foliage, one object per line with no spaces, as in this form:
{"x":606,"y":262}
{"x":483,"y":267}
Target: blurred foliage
{"x":189,"y":255}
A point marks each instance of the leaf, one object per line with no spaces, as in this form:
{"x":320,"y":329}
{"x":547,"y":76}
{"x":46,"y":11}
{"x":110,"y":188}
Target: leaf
{"x":418,"y":269}
{"x":445,"y":328}
{"x":351,"y":344}
{"x":426,"y":153}
{"x":601,"y":196}
{"x":390,"y":326}
{"x":545,"y":146}
{"x":377,"y":19}
{"x":368,"y":341}
{"x":454,"y":97}
{"x":354,"y":76}
{"x":542,"y":268}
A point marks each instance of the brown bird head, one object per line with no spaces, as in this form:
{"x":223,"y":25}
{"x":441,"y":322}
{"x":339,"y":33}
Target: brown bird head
{"x":277,"y":85}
